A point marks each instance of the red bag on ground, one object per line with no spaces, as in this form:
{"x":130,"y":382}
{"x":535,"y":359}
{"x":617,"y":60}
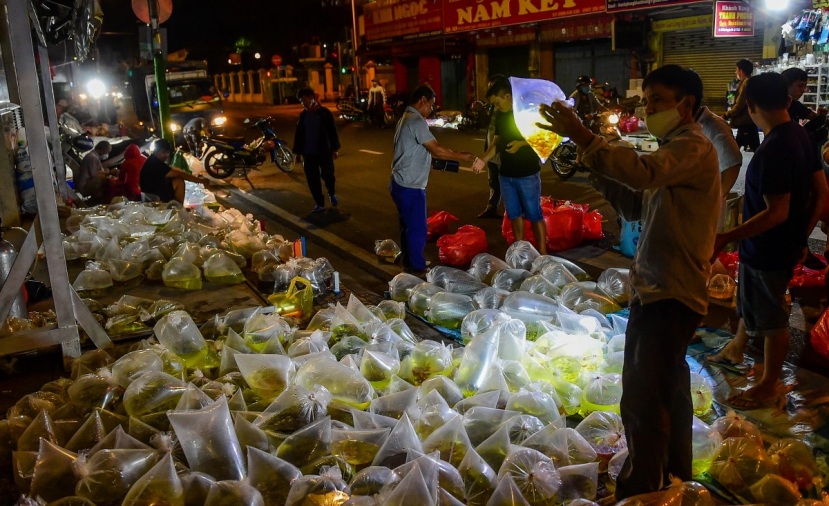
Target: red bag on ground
{"x":438,"y":224}
{"x":806,"y":277}
{"x":820,"y":335}
{"x":731,"y":261}
{"x":461,"y":248}
{"x":593,"y":226}
{"x":565,"y":227}
{"x":509,"y":235}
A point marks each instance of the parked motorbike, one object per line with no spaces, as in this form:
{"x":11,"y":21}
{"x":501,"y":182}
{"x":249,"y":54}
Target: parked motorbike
{"x":224,"y":155}
{"x":76,"y":142}
{"x":353,"y":108}
{"x":565,"y":160}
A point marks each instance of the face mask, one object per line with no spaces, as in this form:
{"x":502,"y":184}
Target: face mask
{"x":585,"y":89}
{"x":662,"y":123}
{"x":104,"y":157}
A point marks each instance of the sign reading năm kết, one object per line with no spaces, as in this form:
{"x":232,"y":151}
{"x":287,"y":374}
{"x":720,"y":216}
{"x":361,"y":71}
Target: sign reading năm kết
{"x":387,"y":20}
{"x":733,"y":19}
{"x":467,"y":15}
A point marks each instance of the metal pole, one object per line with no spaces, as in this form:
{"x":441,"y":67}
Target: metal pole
{"x":354,"y":48}
{"x":160,"y":75}
{"x":30,"y":97}
{"x":52,"y":121}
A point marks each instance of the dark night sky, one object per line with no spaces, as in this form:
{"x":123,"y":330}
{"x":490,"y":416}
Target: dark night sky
{"x":208,"y":28}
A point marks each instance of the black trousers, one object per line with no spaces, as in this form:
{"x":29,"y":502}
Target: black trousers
{"x":656,"y":406}
{"x":749,"y":137}
{"x":317,"y":167}
{"x":494,"y":187}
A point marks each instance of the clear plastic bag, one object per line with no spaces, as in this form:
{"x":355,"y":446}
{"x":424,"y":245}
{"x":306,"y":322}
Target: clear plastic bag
{"x":479,"y":479}
{"x":739,"y":464}
{"x":721,"y":286}
{"x":88,"y":435}
{"x":520,"y":255}
{"x":267,"y":375}
{"x":705,"y":443}
{"x":327,"y":489}
{"x":420,"y":297}
{"x":179,"y":273}
{"x":536,"y":403}
{"x":233,"y":493}
{"x":179,"y":334}
{"x":107,"y":476}
{"x":480,"y":353}
{"x":605,"y":433}
{"x":615,"y":283}
{"x":270,"y":475}
{"x":603,"y":393}
{"x":430,"y":358}
{"x":153,"y":393}
{"x":401,"y":439}
{"x":583,"y":295}
{"x":534,"y":474}
{"x":793,"y":460}
{"x":196,"y":487}
{"x":159,"y":486}
{"x":701,"y":394}
{"x":401,"y":286}
{"x":773,"y":489}
{"x":558,"y":274}
{"x":343,"y":324}
{"x":490,"y":297}
{"x":412,"y":490}
{"x":527,"y":97}
{"x":510,"y":279}
{"x":448,"y":309}
{"x":530,"y":307}
{"x":358,"y":447}
{"x":209,"y":441}
{"x":734,"y":425}
{"x":53,"y":475}
{"x":578,"y":482}
{"x":479,"y":321}
{"x":92,"y":280}
{"x":295,"y":408}
{"x":359,"y":311}
{"x":387,"y":250}
{"x":308,"y":345}
{"x":484,"y":266}
{"x":539,"y":284}
{"x":220,"y":269}
{"x":132,"y":365}
{"x":345,"y":384}
{"x":507,"y":494}
{"x":261,"y":328}
{"x":450,"y":440}
{"x":123,"y":270}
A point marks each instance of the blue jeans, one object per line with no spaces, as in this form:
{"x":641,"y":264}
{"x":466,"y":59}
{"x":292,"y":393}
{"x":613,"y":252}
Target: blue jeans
{"x":411,"y":206}
{"x":522,"y":197}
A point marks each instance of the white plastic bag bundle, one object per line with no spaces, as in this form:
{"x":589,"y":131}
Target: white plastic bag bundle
{"x":527,"y":97}
{"x":615,"y":283}
{"x":490,"y":297}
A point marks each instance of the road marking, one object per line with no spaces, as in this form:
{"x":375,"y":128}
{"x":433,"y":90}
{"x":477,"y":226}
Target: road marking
{"x":370,"y":152}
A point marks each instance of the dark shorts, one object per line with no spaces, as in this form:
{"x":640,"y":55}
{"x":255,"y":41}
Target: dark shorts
{"x":522,"y":197}
{"x":761,"y":300}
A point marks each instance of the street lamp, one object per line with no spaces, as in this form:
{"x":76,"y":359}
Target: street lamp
{"x":96,"y":88}
{"x":777,"y":5}
{"x":257,"y":55}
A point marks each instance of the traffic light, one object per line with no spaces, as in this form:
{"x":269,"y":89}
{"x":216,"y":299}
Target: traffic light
{"x":333,"y":55}
{"x":342,"y":70}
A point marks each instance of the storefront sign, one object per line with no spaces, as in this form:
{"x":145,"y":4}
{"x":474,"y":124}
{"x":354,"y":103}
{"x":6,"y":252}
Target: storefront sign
{"x":466,"y":15}
{"x":387,"y":20}
{"x":676,"y":24}
{"x":629,"y":5}
{"x":591,"y":27}
{"x":503,"y":38}
{"x":733,"y":19}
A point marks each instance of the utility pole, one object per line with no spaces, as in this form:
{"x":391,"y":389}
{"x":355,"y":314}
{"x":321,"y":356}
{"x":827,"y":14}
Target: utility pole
{"x":354,"y":47}
{"x":160,"y":74}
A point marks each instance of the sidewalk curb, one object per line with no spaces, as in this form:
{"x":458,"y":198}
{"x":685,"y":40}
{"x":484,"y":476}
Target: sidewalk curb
{"x":359,"y":256}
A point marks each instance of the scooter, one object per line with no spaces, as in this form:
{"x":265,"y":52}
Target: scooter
{"x":77,"y":143}
{"x":224,"y":155}
{"x":565,"y":160}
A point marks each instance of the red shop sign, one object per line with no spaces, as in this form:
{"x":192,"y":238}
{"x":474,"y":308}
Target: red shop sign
{"x":588,"y":27}
{"x":402,"y":19}
{"x":733,"y":19}
{"x":466,"y":15}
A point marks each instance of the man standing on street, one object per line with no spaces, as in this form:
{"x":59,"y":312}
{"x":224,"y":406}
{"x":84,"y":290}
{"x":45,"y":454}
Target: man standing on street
{"x":492,"y":166}
{"x":737,"y":116}
{"x":316,"y":146}
{"x":785,"y":192}
{"x":520,"y":171}
{"x":377,"y":104}
{"x":675,"y":191}
{"x":414,"y":146}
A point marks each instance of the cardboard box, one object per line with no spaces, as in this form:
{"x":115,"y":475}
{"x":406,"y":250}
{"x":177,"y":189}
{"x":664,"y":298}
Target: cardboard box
{"x":633,"y":93}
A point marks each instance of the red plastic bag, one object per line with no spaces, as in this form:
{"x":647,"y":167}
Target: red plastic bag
{"x":593,"y":226}
{"x":565,"y":227}
{"x":820,"y":335}
{"x":509,"y":235}
{"x":461,"y":248}
{"x":731,"y":262}
{"x":438,"y":224}
{"x":806,"y":277}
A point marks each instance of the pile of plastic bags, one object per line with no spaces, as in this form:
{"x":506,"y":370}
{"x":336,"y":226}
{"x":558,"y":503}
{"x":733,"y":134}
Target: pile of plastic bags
{"x":567,"y":224}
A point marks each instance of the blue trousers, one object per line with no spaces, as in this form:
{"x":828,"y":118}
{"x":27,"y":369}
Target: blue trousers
{"x":411,"y":206}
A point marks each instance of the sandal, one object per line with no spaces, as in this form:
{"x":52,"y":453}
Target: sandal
{"x":741,"y":368}
{"x":743,"y":402}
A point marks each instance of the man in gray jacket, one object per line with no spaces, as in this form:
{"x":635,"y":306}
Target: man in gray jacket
{"x":675,"y":191}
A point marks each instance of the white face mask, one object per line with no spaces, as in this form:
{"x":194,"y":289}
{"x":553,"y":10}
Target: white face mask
{"x":104,"y":157}
{"x":660,"y":124}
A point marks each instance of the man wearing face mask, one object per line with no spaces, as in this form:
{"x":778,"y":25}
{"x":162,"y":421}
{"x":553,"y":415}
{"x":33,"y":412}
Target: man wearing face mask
{"x":91,"y":178}
{"x":675,"y":192}
{"x":586,"y":103}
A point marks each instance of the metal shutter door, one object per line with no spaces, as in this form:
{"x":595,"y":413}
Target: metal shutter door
{"x":714,"y":59}
{"x":594,"y":59}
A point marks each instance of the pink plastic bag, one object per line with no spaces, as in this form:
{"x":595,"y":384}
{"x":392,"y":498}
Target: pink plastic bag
{"x":461,"y":248}
{"x":438,"y":224}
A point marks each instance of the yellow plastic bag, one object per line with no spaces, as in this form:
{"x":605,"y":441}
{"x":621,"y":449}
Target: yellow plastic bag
{"x":527,"y":96}
{"x":297,"y":302}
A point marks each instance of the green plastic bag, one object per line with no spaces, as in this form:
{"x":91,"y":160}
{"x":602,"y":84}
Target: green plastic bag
{"x":178,"y":161}
{"x":297,"y":302}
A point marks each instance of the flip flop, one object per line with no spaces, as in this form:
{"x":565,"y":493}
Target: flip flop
{"x":741,"y":402}
{"x":741,"y":368}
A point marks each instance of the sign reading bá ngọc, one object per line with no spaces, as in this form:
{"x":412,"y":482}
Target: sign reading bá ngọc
{"x":733,"y":19}
{"x":394,"y":19}
{"x":467,"y":15}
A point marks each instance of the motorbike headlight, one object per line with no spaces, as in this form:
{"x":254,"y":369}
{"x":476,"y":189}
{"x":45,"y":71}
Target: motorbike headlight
{"x":174,"y":127}
{"x":613,"y":119}
{"x":218,"y":121}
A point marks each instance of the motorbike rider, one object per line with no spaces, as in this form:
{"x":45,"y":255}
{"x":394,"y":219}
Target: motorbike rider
{"x":586,"y":103}
{"x":193,"y":132}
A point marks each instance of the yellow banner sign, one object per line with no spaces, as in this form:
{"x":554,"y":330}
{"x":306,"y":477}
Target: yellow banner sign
{"x":672,"y":25}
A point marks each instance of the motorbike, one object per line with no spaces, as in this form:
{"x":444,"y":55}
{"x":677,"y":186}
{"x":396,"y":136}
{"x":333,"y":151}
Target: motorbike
{"x":224,"y":154}
{"x":353,"y":108}
{"x":477,"y":116}
{"x":76,"y":143}
{"x":565,"y":160}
